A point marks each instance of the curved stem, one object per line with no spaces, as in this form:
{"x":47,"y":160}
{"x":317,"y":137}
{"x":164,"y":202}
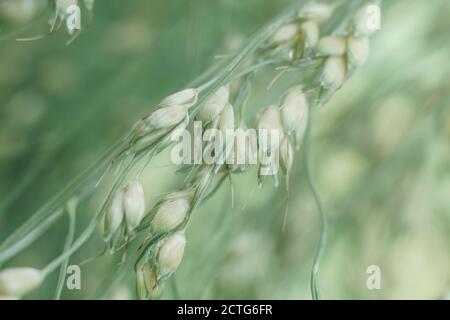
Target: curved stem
{"x":44,"y":218}
{"x":315,"y":292}
{"x":23,"y":183}
{"x":71,"y":210}
{"x":87,"y":233}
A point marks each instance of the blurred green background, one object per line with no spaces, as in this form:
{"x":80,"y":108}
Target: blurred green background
{"x":381,"y":151}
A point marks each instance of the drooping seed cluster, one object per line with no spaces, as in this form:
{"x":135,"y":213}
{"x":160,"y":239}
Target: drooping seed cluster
{"x":171,"y":118}
{"x":299,"y":39}
{"x":125,"y":212}
{"x":161,"y":262}
{"x":289,"y":119}
{"x":126,"y":215}
{"x":341,"y":53}
{"x":218,"y":114}
{"x":286,"y":123}
{"x":345,"y":53}
{"x":283,"y":123}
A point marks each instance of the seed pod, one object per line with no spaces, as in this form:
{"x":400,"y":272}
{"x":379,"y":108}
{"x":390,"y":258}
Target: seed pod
{"x":270,"y":134}
{"x":294,"y":112}
{"x":244,"y":148}
{"x":332,"y":46}
{"x":146,"y":282}
{"x":166,"y":117}
{"x":214,"y":106}
{"x":334,"y":73}
{"x":226,"y":126}
{"x":316,"y":11}
{"x":169,"y":215}
{"x":270,"y":122}
{"x":114,"y":215}
{"x":134,"y":204}
{"x":16,"y":282}
{"x":286,"y":155}
{"x":178,"y":131}
{"x":187,"y":193}
{"x":187,"y":97}
{"x":227,"y":118}
{"x":285,"y":33}
{"x":171,"y":253}
{"x":173,"y":111}
{"x":358,"y":51}
{"x":311,"y":33}
{"x":366,"y":20}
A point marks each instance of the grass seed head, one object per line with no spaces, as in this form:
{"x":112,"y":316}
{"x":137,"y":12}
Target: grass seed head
{"x":334,"y":72}
{"x":173,"y":111}
{"x":134,"y":204}
{"x":170,"y":214}
{"x":270,"y":118}
{"x":213,"y":106}
{"x":179,"y":130}
{"x":286,"y":33}
{"x":270,"y":122}
{"x":332,"y":46}
{"x":227,"y":118}
{"x":316,"y":11}
{"x":226,"y":126}
{"x":286,"y":155}
{"x":294,"y":112}
{"x":358,"y":50}
{"x":114,"y":215}
{"x":147,"y":282}
{"x":187,"y":97}
{"x":167,"y":117}
{"x":171,"y":253}
{"x":311,"y":33}
{"x":244,"y":149}
{"x":15,"y":282}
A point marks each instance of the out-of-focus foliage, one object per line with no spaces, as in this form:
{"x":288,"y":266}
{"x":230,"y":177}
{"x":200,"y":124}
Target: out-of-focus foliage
{"x":381,"y":151}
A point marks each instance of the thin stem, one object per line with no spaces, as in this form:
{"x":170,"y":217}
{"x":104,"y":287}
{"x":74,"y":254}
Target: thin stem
{"x":87,"y":233}
{"x":44,"y":218}
{"x":24,"y":182}
{"x":315,"y":292}
{"x":71,"y":210}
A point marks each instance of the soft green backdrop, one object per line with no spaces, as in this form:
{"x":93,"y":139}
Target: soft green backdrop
{"x":381,"y":151}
